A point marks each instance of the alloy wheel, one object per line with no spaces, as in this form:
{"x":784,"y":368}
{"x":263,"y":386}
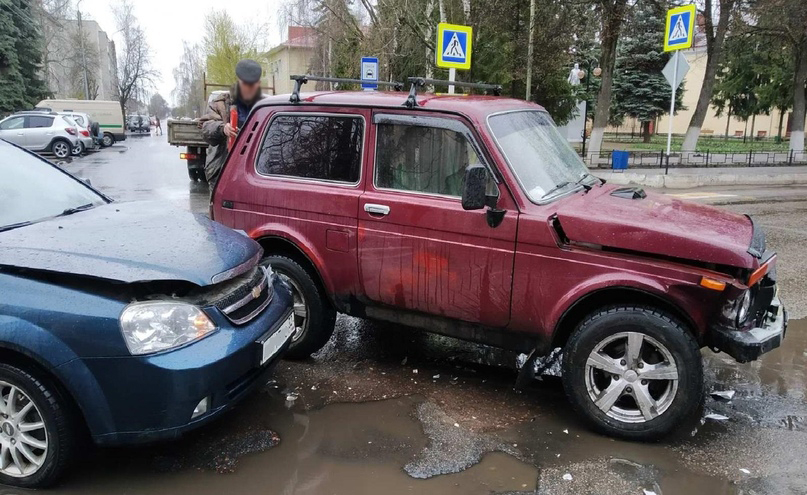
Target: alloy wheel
{"x":61,"y":149}
{"x":23,"y":437}
{"x":631,"y":377}
{"x":300,"y":307}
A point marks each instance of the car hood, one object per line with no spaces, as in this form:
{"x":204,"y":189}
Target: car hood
{"x":130,"y":242}
{"x":624,"y":218}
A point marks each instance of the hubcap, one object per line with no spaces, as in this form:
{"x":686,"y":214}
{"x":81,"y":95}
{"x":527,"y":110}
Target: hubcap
{"x":23,"y":438}
{"x":631,"y":377}
{"x":300,"y":306}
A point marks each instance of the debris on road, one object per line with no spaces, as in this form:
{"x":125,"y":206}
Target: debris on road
{"x":726,"y":395}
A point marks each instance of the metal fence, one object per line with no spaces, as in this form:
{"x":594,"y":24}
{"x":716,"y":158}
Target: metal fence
{"x":700,"y":159}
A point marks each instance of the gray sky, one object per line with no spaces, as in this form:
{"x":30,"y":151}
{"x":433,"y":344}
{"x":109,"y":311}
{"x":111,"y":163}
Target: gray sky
{"x":168,"y":22}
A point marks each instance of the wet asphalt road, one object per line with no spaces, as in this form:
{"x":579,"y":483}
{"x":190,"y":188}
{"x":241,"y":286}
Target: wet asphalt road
{"x":389,"y":409}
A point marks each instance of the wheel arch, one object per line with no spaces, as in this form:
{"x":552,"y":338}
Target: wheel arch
{"x":608,"y":296}
{"x":282,"y":246}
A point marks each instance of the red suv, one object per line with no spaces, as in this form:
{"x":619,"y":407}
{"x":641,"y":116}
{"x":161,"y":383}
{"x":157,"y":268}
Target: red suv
{"x":471,"y":216}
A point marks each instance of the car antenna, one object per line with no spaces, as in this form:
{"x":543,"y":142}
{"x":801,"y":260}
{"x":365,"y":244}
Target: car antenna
{"x":415,"y":82}
{"x":300,"y":80}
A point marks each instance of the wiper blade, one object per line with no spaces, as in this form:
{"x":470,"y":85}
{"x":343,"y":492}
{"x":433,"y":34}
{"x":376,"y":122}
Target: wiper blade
{"x":14,"y":226}
{"x":557,"y":188}
{"x":76,"y":209}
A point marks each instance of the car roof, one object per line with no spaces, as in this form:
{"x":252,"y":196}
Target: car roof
{"x":479,"y":106}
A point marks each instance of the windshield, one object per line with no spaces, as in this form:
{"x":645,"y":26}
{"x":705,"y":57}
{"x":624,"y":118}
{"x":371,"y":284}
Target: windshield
{"x":32,"y":189}
{"x":543,"y":161}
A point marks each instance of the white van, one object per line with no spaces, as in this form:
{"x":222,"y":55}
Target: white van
{"x":106,"y":113}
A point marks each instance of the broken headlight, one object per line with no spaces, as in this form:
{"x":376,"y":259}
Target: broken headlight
{"x":736,"y":310}
{"x":160,"y":325}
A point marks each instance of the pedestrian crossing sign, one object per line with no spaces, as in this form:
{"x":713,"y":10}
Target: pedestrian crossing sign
{"x":454,"y":46}
{"x":680,"y":28}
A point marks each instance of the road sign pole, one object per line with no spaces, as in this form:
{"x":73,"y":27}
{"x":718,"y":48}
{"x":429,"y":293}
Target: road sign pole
{"x":452,"y":76}
{"x":672,"y":104}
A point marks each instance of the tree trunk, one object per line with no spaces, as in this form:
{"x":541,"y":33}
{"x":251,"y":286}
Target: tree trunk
{"x":728,"y":123}
{"x":753,"y":124}
{"x":613,"y":12}
{"x":800,"y":80}
{"x":781,"y":122}
{"x":646,"y":131}
{"x":714,"y":53}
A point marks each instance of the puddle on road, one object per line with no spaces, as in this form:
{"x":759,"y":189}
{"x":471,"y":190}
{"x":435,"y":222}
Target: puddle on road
{"x":363,"y":422}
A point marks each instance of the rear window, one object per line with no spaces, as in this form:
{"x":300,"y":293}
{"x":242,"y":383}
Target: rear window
{"x":321,"y":147}
{"x":36,"y":121}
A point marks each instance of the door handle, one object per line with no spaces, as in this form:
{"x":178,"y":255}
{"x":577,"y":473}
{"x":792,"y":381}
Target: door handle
{"x":376,"y":209}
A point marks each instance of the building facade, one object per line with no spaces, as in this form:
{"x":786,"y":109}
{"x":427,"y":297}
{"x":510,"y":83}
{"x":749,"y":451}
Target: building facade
{"x":293,"y":56}
{"x":66,"y":63}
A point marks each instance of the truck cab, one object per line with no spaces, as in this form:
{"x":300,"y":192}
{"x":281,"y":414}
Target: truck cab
{"x":470,"y":216}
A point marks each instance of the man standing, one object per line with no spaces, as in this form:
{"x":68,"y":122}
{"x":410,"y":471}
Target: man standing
{"x":216,"y":128}
{"x":158,"y":131}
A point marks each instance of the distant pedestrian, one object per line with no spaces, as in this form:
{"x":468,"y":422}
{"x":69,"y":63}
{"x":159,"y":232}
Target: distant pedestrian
{"x":159,"y":131}
{"x":216,"y":128}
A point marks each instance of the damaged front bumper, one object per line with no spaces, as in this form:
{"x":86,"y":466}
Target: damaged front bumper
{"x":748,"y":345}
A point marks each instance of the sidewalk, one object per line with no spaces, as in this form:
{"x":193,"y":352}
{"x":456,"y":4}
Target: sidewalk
{"x":684,"y":178}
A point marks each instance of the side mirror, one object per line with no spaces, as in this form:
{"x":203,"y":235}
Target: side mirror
{"x":474,"y":187}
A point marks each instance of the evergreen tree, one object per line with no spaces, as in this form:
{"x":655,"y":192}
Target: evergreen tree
{"x":640,"y":89}
{"x":21,"y":83}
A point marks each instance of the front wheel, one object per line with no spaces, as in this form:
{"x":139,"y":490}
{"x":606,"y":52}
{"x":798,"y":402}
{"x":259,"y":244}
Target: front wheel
{"x":108,"y":140}
{"x":36,"y":437}
{"x":633,"y":372}
{"x":314,"y":318}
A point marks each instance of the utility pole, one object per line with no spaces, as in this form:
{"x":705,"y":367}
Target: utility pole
{"x":83,"y":53}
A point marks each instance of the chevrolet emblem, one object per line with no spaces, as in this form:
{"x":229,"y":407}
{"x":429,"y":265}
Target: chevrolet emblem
{"x":256,"y":292}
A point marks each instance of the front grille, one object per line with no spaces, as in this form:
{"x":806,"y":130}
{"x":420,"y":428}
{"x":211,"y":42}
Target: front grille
{"x":247,"y":299}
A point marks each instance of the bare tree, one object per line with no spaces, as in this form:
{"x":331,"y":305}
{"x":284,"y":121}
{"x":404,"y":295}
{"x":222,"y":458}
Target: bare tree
{"x":135,"y":73}
{"x":189,"y":91}
{"x":78,"y":62}
{"x":715,"y":35}
{"x":52,"y":16}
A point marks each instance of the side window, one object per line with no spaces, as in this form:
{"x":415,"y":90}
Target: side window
{"x":313,"y":147}
{"x":79,"y":120}
{"x":423,"y":159}
{"x":12,"y":123}
{"x":37,"y":121}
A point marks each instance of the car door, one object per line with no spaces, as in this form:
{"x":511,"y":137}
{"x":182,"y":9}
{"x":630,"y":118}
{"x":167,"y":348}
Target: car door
{"x":13,"y":130}
{"x":39,"y":131}
{"x":418,"y":249}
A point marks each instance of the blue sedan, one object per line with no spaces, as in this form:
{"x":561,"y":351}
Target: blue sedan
{"x":139,"y":321}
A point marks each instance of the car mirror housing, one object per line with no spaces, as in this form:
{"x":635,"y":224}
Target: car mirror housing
{"x":474,"y":186}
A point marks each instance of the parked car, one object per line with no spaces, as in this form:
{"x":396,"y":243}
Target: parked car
{"x":107,"y":114}
{"x":139,"y":123}
{"x":128,"y":320}
{"x":472,"y":217}
{"x":88,"y":132}
{"x":41,"y":131}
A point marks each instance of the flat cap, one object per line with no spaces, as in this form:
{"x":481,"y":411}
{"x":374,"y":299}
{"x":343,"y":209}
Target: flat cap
{"x":248,"y":71}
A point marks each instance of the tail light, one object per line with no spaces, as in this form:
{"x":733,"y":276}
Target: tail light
{"x":85,"y":133}
{"x":70,"y":130}
{"x":188,"y":156}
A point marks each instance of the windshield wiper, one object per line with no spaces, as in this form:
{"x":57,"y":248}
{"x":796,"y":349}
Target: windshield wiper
{"x":557,"y":188}
{"x":579,"y":182}
{"x":14,"y":226}
{"x":76,"y":209}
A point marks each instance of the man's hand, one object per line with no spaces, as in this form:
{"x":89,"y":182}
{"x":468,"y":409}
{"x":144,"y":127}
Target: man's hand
{"x":230,"y":131}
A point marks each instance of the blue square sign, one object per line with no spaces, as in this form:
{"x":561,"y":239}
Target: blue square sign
{"x":369,"y":72}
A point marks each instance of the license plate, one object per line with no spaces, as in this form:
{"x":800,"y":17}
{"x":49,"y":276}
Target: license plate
{"x":272,"y":345}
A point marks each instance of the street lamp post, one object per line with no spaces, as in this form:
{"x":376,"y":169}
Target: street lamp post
{"x":587,"y":74}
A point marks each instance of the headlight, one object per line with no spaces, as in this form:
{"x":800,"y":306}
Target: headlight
{"x":159,"y":325}
{"x":743,"y":305}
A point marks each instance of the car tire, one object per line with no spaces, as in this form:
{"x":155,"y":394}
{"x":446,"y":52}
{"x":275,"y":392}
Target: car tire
{"x":632,"y":342}
{"x":314,"y":316}
{"x":79,"y":149}
{"x":192,"y":174}
{"x":61,"y":148}
{"x":56,"y":433}
{"x":108,"y":140}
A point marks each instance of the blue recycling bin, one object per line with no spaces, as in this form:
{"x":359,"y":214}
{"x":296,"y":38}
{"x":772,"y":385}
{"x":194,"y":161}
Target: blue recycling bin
{"x":619,"y":160}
